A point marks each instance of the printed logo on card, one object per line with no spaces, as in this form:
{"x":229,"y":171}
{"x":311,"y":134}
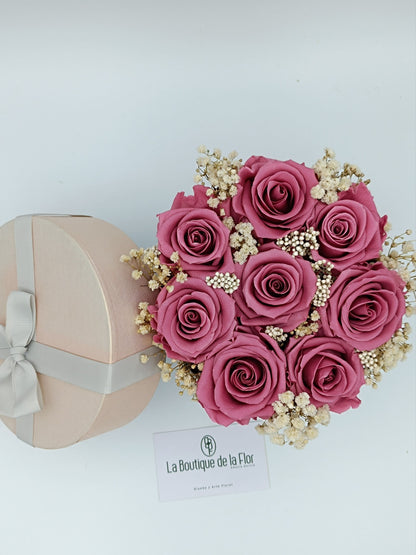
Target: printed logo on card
{"x":208,"y":446}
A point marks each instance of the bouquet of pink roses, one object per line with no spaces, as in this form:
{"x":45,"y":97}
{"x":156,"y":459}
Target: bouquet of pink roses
{"x":276,"y":302}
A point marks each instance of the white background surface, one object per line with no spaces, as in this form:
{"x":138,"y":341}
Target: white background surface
{"x":102,"y":104}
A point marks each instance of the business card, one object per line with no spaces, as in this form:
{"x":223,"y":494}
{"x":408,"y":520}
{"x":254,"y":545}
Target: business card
{"x":215,"y":460}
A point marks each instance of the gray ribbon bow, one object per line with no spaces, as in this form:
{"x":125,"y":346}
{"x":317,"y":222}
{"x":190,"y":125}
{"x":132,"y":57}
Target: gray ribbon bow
{"x":20,"y":393}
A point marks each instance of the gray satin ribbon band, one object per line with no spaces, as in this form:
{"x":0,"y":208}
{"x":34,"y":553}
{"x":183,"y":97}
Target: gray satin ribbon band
{"x":24,"y":254}
{"x":20,"y":395}
{"x":100,"y":377}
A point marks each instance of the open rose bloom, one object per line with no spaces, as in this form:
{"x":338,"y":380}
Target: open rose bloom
{"x":275,"y":300}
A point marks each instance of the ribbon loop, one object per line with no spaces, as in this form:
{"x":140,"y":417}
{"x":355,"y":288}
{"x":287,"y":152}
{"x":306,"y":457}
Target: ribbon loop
{"x":20,"y":393}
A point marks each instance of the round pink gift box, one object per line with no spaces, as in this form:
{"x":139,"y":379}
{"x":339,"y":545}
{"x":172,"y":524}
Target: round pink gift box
{"x":85,"y":306}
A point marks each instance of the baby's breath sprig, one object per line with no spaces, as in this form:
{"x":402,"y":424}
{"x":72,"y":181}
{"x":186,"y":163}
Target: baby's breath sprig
{"x":146,"y":263}
{"x":332,"y":179}
{"x":228,"y":222}
{"x":294,"y":420}
{"x":242,"y":242}
{"x":387,"y":356}
{"x":324,"y":279}
{"x":276,"y":333}
{"x":299,"y":243}
{"x":401,"y":256}
{"x":144,"y":358}
{"x":221,"y":173}
{"x":371,"y":366}
{"x":309,"y":327}
{"x":187,"y":375}
{"x":228,"y":282}
{"x":143,"y":319}
{"x":395,"y":349}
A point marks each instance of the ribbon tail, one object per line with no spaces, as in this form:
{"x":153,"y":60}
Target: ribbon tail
{"x":20,"y":393}
{"x":26,"y":385}
{"x":7,"y":400}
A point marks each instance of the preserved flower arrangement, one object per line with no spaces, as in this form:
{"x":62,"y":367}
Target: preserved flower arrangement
{"x":275,"y":299}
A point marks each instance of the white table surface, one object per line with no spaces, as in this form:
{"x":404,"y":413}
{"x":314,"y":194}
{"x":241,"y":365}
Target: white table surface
{"x":102,"y":106}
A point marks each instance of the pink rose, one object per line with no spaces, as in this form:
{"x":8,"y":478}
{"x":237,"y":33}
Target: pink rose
{"x":242,"y":380}
{"x":194,"y":321}
{"x":274,"y":196}
{"x":350,"y":230}
{"x":328,"y":369}
{"x":197,"y":200}
{"x":366,"y":306}
{"x":196,"y":233}
{"x":276,"y":289}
